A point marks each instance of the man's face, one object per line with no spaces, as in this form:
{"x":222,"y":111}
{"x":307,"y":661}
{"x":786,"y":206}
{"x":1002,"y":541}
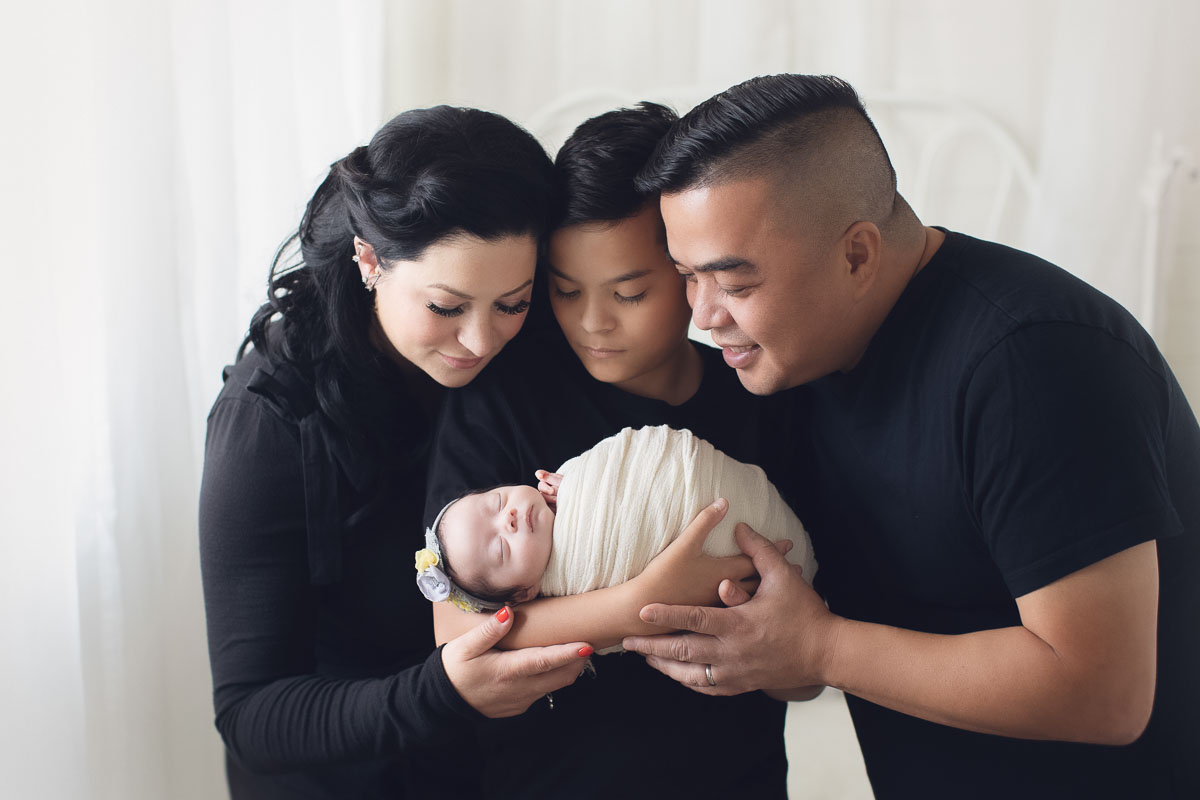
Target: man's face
{"x":776,"y":295}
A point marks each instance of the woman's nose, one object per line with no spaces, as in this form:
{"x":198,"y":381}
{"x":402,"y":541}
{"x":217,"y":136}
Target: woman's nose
{"x":478,"y":337}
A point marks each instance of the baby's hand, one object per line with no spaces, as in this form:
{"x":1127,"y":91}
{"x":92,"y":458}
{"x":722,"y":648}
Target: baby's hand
{"x":548,"y":483}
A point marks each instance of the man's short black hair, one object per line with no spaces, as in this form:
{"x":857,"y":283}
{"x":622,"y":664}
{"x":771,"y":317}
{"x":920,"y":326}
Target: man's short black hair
{"x":595,"y":168}
{"x":778,"y":112}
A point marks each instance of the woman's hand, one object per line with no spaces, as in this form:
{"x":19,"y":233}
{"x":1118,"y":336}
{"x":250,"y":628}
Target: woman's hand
{"x":500,"y":683}
{"x":683,"y":573}
{"x":548,"y":483}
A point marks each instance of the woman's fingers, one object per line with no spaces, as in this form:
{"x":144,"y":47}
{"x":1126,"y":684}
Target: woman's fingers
{"x":504,"y":683}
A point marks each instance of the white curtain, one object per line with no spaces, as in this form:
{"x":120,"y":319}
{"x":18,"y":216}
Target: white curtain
{"x":156,"y":152}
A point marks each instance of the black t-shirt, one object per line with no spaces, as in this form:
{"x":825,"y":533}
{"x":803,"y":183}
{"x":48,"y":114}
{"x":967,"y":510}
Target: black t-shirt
{"x":325,"y":679}
{"x":1007,"y":426}
{"x":629,"y":730}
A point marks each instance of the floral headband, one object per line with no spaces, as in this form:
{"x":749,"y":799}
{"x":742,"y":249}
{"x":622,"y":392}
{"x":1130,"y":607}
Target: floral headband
{"x":433,"y":581}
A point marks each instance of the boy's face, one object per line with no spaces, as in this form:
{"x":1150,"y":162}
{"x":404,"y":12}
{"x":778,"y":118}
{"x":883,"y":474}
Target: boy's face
{"x":620,"y":302}
{"x":500,"y":538}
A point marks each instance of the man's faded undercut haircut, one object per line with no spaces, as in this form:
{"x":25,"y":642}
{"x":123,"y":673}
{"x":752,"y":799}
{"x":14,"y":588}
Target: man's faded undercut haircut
{"x":808,"y":133}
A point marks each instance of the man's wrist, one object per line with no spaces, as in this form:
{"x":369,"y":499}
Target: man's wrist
{"x":828,"y":658}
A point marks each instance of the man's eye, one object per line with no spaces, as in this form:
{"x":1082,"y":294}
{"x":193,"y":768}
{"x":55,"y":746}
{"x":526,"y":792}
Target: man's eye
{"x":688,"y":277}
{"x":733,"y":291}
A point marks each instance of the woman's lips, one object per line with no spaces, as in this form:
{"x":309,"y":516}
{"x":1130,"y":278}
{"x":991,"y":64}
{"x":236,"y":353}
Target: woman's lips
{"x":461,"y":363}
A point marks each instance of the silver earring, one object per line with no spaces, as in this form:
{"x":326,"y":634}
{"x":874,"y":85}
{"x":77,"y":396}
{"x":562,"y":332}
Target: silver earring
{"x":369,"y":281}
{"x":354,"y":258}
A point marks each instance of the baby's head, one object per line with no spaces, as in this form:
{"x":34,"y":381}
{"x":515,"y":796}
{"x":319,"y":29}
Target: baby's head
{"x":495,"y":545}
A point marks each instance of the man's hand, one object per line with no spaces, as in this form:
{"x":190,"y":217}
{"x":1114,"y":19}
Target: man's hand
{"x":778,"y":639}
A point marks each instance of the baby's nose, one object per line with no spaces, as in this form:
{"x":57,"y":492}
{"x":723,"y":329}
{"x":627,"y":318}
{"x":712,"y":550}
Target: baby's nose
{"x":512,"y":519}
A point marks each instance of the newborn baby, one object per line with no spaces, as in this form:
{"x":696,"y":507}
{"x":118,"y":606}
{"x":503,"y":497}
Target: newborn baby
{"x":618,"y":505}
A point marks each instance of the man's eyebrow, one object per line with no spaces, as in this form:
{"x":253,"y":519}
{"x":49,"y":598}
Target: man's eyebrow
{"x":465,"y":296}
{"x":725,"y":264}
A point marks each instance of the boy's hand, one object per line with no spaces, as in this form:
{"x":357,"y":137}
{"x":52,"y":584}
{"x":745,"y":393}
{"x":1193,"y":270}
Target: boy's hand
{"x":548,"y":483}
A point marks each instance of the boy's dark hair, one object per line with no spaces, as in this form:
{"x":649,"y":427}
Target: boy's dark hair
{"x":596,"y":166}
{"x":754,"y":127}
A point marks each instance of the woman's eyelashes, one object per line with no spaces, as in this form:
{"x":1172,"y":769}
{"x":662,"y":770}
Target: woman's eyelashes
{"x":517,"y":308}
{"x":444,"y":312}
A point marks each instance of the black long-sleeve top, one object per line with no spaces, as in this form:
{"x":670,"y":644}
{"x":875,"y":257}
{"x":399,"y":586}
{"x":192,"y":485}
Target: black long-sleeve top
{"x":629,"y":731}
{"x":326,"y":682}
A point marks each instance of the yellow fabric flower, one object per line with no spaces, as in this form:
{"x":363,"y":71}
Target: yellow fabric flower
{"x":426,"y":558}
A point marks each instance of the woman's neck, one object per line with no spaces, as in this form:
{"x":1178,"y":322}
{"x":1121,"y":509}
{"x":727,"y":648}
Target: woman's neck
{"x":674,"y":381}
{"x":425,"y":389}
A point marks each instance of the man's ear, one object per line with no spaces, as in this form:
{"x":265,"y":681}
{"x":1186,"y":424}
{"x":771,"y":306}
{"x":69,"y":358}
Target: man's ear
{"x":368,"y":262}
{"x":862,"y":250}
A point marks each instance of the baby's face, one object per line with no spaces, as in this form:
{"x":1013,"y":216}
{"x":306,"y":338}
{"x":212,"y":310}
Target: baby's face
{"x":500,"y":538}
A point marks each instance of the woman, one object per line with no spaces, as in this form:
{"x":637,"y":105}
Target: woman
{"x":622,"y":358}
{"x":416,"y":262}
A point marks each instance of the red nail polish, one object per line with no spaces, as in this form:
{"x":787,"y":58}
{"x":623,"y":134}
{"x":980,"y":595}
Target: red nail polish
{"x":502,"y":614}
{"x":586,"y":651}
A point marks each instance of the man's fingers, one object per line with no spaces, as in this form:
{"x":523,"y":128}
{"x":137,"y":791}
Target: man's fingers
{"x":765,"y":555}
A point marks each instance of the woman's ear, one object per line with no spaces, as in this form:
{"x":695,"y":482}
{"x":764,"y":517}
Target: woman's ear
{"x":368,"y":262}
{"x":863,"y":245}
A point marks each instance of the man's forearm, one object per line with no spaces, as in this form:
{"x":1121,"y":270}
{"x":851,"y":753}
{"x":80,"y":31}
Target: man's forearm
{"x":1006,"y":681}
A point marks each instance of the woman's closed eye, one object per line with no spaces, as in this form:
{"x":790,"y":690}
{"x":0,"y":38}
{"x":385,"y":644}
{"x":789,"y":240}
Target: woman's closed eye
{"x":631,"y":299}
{"x":561,"y":295}
{"x":442,"y":311}
{"x":517,"y":308}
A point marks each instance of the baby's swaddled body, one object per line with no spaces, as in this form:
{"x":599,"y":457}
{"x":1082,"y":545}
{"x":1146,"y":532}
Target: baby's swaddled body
{"x":624,"y":500}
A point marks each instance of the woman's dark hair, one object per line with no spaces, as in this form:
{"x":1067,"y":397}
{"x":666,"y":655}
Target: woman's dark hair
{"x":754,"y":111}
{"x":595,"y":167}
{"x":428,"y":175}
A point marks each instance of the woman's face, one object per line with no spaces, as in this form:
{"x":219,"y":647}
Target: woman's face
{"x":449,"y":312}
{"x":500,"y":538}
{"x":619,"y":300}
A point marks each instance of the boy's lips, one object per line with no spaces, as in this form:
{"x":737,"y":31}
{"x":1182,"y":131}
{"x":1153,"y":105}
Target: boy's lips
{"x":601,"y":352}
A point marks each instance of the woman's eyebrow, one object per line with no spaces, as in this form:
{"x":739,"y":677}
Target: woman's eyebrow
{"x":465,"y":296}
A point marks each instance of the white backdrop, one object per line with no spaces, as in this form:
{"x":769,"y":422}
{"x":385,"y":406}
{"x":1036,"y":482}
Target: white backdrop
{"x":156,"y":152}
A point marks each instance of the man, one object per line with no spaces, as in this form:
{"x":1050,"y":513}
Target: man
{"x":1000,"y":473}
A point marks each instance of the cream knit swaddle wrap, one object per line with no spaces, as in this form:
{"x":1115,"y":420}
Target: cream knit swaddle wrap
{"x":624,"y":500}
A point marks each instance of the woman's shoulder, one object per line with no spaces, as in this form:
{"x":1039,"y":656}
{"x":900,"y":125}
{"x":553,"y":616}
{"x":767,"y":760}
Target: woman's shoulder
{"x":277,"y":387}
